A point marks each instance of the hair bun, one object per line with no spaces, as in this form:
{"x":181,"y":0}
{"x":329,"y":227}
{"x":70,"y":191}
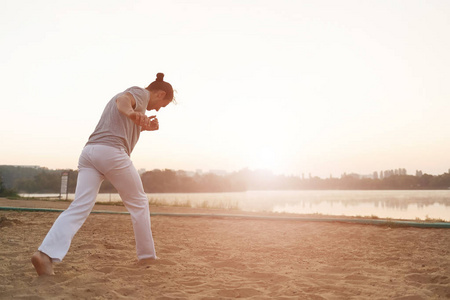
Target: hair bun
{"x":160,"y":77}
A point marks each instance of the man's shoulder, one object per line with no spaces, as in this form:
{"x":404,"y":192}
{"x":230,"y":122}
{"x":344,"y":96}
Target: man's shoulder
{"x":135,"y":90}
{"x":141,"y":96}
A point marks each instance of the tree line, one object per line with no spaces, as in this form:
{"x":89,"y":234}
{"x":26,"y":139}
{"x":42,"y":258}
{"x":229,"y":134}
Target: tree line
{"x":43,"y":180}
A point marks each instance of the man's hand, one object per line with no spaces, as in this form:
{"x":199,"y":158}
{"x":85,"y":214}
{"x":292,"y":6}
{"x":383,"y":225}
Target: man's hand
{"x":147,"y":123}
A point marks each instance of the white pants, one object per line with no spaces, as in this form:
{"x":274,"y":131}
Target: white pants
{"x":96,"y":163}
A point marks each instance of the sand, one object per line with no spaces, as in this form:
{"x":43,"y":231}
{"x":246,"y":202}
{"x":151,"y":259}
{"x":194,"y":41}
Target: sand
{"x":223,"y":258}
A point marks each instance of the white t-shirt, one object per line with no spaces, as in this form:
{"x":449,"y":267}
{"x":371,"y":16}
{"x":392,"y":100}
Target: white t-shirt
{"x":116,"y":130}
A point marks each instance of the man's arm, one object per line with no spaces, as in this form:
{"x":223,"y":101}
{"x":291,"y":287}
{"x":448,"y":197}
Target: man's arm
{"x":126,"y":104}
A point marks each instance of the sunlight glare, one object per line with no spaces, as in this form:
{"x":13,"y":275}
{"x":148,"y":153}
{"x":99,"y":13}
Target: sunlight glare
{"x":265,"y":159}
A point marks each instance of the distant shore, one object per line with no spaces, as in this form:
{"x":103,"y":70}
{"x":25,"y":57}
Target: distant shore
{"x":43,"y":180}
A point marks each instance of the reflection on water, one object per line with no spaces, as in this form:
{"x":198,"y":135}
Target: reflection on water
{"x":383,"y":204}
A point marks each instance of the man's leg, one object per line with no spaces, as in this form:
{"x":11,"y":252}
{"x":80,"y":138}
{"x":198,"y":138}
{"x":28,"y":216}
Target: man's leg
{"x":129,"y":185}
{"x":58,"y":239}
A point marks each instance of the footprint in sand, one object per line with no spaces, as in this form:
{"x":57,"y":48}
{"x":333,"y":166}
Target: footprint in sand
{"x":106,"y":270}
{"x":5,"y":222}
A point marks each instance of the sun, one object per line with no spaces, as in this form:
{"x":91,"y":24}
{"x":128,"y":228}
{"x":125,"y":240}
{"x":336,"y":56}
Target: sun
{"x":265,"y":158}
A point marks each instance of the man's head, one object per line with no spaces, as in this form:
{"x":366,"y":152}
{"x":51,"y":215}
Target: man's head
{"x":161,"y":93}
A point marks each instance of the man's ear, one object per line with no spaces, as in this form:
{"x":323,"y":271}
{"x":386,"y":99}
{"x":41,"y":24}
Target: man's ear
{"x":161,"y":94}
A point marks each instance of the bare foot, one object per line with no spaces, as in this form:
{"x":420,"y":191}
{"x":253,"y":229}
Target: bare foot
{"x":42,"y":263}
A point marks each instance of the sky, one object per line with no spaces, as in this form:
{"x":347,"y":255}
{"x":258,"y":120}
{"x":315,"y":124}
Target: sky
{"x":318,"y":87}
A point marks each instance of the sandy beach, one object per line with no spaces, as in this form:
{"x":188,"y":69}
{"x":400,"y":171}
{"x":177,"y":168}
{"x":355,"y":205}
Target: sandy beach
{"x":220,"y":258}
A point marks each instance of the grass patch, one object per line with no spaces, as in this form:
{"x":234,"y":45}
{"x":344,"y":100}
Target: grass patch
{"x":158,"y":202}
{"x":226,"y":205}
{"x":434,"y":220}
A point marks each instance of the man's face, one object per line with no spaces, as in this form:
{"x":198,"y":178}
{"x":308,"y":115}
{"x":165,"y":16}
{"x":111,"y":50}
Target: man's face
{"x":157,"y":101}
{"x":161,"y":103}
{"x":158,"y":104}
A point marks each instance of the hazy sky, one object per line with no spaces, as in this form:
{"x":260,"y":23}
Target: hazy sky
{"x":321,"y":87}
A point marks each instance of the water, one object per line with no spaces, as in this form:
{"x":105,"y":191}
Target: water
{"x":409,"y":205}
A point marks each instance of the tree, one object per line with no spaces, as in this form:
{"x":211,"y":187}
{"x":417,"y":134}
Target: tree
{"x":4,"y":192}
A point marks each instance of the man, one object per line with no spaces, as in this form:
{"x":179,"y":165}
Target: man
{"x":107,"y":155}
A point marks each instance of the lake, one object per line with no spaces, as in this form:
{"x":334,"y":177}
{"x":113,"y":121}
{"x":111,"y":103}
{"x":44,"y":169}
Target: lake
{"x":409,"y":205}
